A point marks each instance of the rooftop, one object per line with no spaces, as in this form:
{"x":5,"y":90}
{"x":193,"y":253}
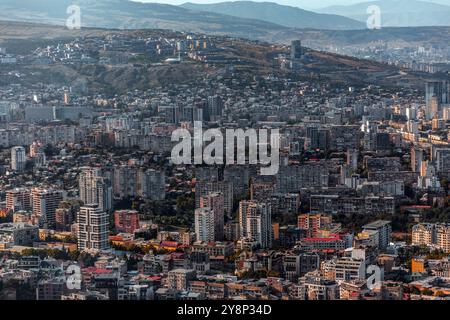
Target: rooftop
{"x":376,"y":224}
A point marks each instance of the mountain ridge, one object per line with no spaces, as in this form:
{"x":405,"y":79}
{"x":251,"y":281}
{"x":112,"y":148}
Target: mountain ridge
{"x":126,"y":14}
{"x":288,"y":16}
{"x":397,"y":13}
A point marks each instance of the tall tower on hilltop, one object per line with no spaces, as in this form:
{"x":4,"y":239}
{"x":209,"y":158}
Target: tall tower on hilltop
{"x":296,"y":54}
{"x":18,"y":159}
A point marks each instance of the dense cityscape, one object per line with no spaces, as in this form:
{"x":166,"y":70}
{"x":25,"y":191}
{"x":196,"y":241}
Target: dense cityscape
{"x":93,"y":205}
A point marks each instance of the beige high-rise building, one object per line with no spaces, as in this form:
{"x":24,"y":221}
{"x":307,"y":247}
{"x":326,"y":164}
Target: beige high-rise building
{"x":424,"y":234}
{"x":432,"y":110}
{"x":95,"y":189}
{"x":429,"y":234}
{"x":215,"y":201}
{"x":45,"y":203}
{"x":443,"y":236}
{"x":18,"y":199}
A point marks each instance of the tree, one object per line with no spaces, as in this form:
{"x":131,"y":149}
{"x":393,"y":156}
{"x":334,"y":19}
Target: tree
{"x":74,"y":255}
{"x":427,"y":292}
{"x":440,"y":294}
{"x":273,"y":273}
{"x":86,"y":259}
{"x":185,"y":203}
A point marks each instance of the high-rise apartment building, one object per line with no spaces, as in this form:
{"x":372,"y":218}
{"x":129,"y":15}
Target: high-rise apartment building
{"x":215,"y":108}
{"x":94,"y":189}
{"x":442,"y":159}
{"x":18,"y":199}
{"x":204,"y":224}
{"x":18,"y":159}
{"x":125,"y":182}
{"x":126,"y":220}
{"x":255,"y":220}
{"x":171,"y":114}
{"x":66,"y":215}
{"x":203,"y":188}
{"x":437,"y":93}
{"x":352,"y":159}
{"x":313,"y":223}
{"x":151,"y":184}
{"x":443,"y":237}
{"x":430,"y":234}
{"x":416,"y":159}
{"x":130,"y":181}
{"x":384,"y":232}
{"x":296,"y":49}
{"x":296,"y":54}
{"x":215,"y":201}
{"x":92,"y":228}
{"x":424,"y":234}
{"x":45,"y":202}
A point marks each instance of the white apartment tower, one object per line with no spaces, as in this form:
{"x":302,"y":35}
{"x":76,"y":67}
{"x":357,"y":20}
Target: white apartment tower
{"x":92,"y":228}
{"x":204,"y":224}
{"x":215,"y":202}
{"x":255,"y":221}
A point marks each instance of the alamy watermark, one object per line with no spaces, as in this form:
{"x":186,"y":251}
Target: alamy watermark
{"x":73,"y":22}
{"x":374,"y":19}
{"x":375,"y":278}
{"x":262,"y":148}
{"x":73,"y":279}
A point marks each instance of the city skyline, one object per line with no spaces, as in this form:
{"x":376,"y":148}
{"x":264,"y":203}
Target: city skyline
{"x":214,"y":164}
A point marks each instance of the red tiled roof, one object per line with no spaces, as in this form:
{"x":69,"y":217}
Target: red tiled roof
{"x":96,"y":270}
{"x":169,"y":244}
{"x":416,"y":207}
{"x":115,"y":238}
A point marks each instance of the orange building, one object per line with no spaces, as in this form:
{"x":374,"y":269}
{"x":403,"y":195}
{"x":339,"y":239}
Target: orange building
{"x":419,"y":265}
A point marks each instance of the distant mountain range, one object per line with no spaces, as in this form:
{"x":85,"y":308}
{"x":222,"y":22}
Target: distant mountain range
{"x":125,"y":14}
{"x":287,"y":16}
{"x":397,"y":13}
{"x":257,"y":20}
{"x":254,"y":20}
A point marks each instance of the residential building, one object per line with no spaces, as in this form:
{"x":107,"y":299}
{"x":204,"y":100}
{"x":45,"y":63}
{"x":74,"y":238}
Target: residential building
{"x":93,"y":228}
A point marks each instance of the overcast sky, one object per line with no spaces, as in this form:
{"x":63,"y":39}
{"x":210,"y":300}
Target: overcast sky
{"x":305,"y":4}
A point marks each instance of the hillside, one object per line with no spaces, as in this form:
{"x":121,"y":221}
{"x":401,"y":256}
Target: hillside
{"x":249,"y":58}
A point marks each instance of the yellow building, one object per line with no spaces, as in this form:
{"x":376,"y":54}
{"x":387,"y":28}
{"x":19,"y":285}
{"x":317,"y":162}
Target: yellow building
{"x":419,"y":265}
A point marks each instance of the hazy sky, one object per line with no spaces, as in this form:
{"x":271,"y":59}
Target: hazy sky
{"x":306,"y":4}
